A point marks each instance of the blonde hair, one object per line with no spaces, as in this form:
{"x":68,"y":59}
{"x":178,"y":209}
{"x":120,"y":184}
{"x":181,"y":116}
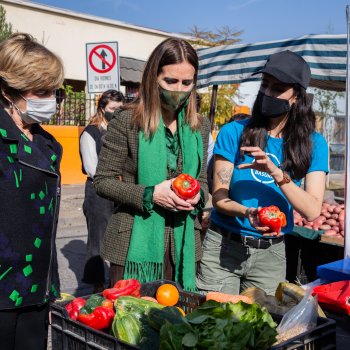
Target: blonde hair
{"x":146,"y":111}
{"x":26,"y":65}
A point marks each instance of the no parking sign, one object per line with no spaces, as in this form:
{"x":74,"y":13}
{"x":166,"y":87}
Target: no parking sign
{"x":102,"y":61}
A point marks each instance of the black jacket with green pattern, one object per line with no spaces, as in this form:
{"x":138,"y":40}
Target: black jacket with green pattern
{"x":118,"y":160}
{"x":29,"y":200}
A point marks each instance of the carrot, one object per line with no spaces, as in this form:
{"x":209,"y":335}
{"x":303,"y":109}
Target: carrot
{"x":149,"y":299}
{"x":226,"y":298}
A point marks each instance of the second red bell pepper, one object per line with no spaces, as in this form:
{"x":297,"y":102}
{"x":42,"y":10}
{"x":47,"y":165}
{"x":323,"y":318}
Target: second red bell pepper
{"x":123,"y":287}
{"x":185,"y":186}
{"x":100,"y":318}
{"x":272,"y":217}
{"x":74,"y":306}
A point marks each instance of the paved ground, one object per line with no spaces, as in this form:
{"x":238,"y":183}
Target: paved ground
{"x":71,"y":242}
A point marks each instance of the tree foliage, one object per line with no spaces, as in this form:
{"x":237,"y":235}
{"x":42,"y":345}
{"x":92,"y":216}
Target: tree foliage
{"x":222,"y":36}
{"x":325,"y":102}
{"x":5,"y":27}
{"x":224,"y":103}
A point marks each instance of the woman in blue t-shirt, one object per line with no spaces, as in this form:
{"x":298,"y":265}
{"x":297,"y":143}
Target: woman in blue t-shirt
{"x":260,"y":162}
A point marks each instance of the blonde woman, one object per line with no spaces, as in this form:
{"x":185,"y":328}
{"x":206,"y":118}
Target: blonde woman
{"x":29,"y":191}
{"x":97,"y":210}
{"x":154,"y":233}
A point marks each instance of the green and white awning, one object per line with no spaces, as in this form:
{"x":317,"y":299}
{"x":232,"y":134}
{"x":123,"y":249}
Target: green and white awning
{"x":233,"y":64}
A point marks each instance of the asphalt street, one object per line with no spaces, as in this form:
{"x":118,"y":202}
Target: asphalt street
{"x":71,"y":241}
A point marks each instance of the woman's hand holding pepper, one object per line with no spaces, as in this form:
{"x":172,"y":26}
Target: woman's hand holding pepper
{"x":253,"y":217}
{"x":165,"y":197}
{"x":193,"y":201}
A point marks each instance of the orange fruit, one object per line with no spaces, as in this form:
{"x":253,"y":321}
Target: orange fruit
{"x":167,"y":295}
{"x":181,"y":310}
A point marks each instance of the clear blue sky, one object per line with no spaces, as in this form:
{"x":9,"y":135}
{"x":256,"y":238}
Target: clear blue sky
{"x":260,"y":20}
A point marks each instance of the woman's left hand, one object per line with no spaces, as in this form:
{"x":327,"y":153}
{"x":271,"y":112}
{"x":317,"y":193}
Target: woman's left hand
{"x":193,"y":201}
{"x":262,"y":162}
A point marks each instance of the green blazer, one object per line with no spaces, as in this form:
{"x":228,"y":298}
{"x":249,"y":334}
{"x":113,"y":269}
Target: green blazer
{"x":116,"y":179}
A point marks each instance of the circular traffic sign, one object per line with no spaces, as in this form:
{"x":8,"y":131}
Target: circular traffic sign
{"x":100,"y":59}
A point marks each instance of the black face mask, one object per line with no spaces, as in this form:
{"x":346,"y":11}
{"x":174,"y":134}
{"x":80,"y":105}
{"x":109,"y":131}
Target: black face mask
{"x":271,"y":107}
{"x":109,"y":116}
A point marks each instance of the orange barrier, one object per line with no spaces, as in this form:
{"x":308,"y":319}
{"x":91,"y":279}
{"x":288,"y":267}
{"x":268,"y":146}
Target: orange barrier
{"x":68,"y":137}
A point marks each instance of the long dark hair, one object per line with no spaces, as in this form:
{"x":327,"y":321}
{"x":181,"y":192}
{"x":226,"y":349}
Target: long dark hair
{"x":297,"y":145}
{"x":107,"y":96}
{"x":146,"y":110}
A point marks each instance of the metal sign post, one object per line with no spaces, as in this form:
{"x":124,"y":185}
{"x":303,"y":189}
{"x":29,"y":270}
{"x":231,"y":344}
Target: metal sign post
{"x":347,"y":145}
{"x":103,"y":67}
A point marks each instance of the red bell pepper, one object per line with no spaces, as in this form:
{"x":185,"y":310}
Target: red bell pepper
{"x":100,"y":318}
{"x":74,"y":306}
{"x":185,"y":186}
{"x":123,"y":287}
{"x":272,"y":217}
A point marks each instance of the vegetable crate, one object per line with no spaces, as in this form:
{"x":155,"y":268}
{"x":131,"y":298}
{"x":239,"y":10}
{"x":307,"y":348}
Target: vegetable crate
{"x":72,"y":335}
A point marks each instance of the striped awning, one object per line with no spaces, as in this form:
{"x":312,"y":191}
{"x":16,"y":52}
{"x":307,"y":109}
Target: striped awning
{"x":234,"y":64}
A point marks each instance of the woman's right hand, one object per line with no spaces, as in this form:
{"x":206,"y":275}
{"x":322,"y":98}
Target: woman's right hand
{"x":253,"y":217}
{"x":165,"y":197}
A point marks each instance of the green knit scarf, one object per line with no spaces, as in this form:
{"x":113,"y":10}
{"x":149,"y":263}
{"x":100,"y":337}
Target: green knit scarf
{"x":145,"y":260}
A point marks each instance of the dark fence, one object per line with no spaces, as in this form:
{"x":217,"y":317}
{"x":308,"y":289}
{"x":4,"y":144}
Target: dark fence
{"x":76,"y":109}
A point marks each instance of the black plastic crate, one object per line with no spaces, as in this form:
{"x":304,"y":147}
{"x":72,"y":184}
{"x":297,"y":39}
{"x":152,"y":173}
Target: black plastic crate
{"x":72,"y":335}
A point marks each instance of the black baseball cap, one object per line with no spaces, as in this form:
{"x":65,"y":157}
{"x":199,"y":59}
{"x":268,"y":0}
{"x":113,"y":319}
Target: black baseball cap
{"x":288,"y":67}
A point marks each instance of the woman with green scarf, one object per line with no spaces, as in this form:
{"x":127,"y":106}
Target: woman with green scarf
{"x":155,"y":234}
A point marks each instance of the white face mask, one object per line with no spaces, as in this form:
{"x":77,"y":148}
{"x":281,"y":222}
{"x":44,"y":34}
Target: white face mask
{"x":39,"y":110}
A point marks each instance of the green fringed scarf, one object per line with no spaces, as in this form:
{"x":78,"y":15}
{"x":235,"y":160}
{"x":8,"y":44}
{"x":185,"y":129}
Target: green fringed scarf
{"x":145,"y":260}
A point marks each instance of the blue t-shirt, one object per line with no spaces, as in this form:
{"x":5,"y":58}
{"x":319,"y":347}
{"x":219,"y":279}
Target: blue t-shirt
{"x":253,"y":188}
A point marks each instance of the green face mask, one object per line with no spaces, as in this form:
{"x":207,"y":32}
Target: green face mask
{"x":173,"y":100}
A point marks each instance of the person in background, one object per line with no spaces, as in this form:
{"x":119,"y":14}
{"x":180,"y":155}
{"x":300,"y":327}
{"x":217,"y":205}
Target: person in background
{"x":30,"y":184}
{"x":240,"y":116}
{"x":155,"y":234}
{"x":260,"y":162}
{"x":97,"y":210}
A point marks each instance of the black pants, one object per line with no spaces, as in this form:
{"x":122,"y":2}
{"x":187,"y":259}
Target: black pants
{"x":97,"y":211}
{"x":24,"y":328}
{"x":304,"y":251}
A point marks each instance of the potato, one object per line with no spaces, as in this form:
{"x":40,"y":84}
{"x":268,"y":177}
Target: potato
{"x":334,"y":216}
{"x":325,"y":227}
{"x":330,"y":233}
{"x":319,"y":221}
{"x":337,"y":209}
{"x":331,"y":222}
{"x":331,"y":208}
{"x":326,"y":214}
